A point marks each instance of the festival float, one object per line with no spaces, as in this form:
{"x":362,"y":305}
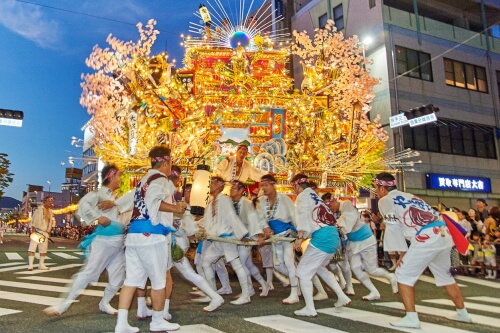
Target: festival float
{"x":235,"y":87}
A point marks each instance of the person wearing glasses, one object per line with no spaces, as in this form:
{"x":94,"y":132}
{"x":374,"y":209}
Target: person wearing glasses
{"x":431,"y":245}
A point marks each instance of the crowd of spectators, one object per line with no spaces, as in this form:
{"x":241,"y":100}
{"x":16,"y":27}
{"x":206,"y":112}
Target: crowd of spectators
{"x":68,"y":231}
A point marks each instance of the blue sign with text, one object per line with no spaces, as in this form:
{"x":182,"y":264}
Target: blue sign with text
{"x":457,"y":183}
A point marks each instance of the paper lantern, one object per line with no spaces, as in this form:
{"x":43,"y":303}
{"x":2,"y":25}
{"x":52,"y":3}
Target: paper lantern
{"x":200,"y":191}
{"x":205,"y":15}
{"x":37,"y":236}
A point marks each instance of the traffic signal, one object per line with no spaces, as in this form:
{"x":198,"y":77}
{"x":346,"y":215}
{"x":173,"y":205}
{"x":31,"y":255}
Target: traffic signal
{"x":11,"y":118}
{"x":11,"y":114}
{"x":421,"y":111}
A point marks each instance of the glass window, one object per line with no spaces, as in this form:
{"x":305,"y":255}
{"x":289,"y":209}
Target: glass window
{"x":452,"y":138}
{"x":469,"y":144}
{"x":420,"y":138}
{"x":338,"y":17}
{"x":480,"y":146}
{"x":458,"y":71}
{"x":457,"y":146}
{"x":408,"y":137}
{"x":432,"y":138}
{"x":444,"y":139}
{"x":482,"y":84}
{"x":498,"y":83}
{"x":413,"y":63}
{"x":372,"y":3}
{"x":322,"y":20}
{"x":466,"y":76}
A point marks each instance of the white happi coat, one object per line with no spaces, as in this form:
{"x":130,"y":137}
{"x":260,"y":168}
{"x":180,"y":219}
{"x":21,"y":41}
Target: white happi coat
{"x":350,"y":221}
{"x":160,"y":189}
{"x":225,"y":221}
{"x":285,"y":211}
{"x":225,"y":170}
{"x":248,"y":215}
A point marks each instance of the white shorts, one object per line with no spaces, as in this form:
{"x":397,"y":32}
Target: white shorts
{"x":433,"y":252}
{"x":216,"y":250}
{"x":311,"y":260}
{"x":42,"y":247}
{"x":143,"y":262}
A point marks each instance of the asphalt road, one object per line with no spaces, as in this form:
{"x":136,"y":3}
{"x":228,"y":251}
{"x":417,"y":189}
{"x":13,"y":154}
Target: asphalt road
{"x":23,"y":296}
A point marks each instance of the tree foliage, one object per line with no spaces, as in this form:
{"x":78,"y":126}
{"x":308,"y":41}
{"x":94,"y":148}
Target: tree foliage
{"x":5,"y":175}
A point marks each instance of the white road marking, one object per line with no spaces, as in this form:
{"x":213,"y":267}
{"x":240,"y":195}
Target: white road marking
{"x":290,"y":325}
{"x":30,"y":298}
{"x":484,"y":320}
{"x":46,"y":287}
{"x":25,"y":267}
{"x":52,"y":269}
{"x":58,"y":280}
{"x":382,"y":320}
{"x":64,"y":255}
{"x":468,"y":305}
{"x":13,"y":256}
{"x":37,"y":256}
{"x":485,"y":299}
{"x":478,"y":281}
{"x":5,"y":312}
{"x":201,"y":328}
{"x":11,"y":264}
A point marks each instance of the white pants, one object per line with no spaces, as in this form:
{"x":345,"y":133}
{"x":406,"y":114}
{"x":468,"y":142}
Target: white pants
{"x":286,"y":256}
{"x":104,"y":255}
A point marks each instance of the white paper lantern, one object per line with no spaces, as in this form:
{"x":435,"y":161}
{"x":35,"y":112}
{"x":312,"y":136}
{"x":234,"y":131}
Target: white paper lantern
{"x":200,"y":192}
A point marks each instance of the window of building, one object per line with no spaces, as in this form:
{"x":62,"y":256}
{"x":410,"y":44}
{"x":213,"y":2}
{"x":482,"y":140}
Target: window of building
{"x":413,"y":63}
{"x":463,"y":75}
{"x":452,"y":137}
{"x":322,"y":20}
{"x":372,"y":3}
{"x":498,"y":83}
{"x":338,"y":17}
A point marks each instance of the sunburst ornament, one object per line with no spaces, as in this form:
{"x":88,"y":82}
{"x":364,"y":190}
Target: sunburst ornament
{"x":227,"y":27}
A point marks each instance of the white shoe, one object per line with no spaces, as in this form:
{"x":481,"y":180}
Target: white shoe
{"x":462,"y":316}
{"x":350,"y":291}
{"x":106,"y":308}
{"x":240,"y":301}
{"x":394,"y":283}
{"x":161,"y":326}
{"x":342,"y":301}
{"x":205,"y":299}
{"x":214,"y":304}
{"x":408,"y":322}
{"x":56,"y":310}
{"x":306,"y":312}
{"x":225,"y":291}
{"x":292,"y":299}
{"x":167,"y":316}
{"x":144,"y":312}
{"x":320,"y":297}
{"x":371,"y":297}
{"x":126,"y":329}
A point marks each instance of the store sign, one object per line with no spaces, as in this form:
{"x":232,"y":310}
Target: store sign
{"x":457,"y":183}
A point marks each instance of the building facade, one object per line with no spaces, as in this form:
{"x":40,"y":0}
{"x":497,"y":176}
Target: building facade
{"x":440,"y":52}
